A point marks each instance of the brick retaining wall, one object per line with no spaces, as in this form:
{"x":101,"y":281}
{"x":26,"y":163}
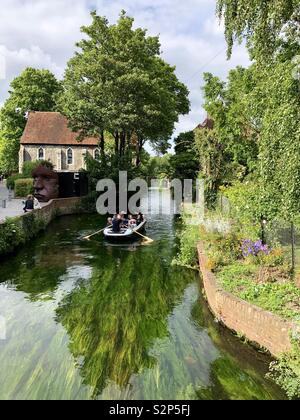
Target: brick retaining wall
{"x":257,"y":325}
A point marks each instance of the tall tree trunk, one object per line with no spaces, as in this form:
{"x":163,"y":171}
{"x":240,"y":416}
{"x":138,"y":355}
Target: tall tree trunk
{"x":102,"y":145}
{"x":117,"y":143}
{"x":139,"y":149}
{"x":123,"y":143}
{"x":129,"y":137}
{"x":129,"y":145}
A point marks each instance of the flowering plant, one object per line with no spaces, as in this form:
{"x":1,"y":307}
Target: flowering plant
{"x":251,"y":248}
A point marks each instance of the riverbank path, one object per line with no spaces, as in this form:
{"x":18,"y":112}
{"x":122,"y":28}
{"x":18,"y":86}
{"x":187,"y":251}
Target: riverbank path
{"x":9,"y":206}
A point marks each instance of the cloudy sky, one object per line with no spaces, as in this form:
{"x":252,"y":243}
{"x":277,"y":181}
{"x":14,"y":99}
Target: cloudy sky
{"x":42,"y":34}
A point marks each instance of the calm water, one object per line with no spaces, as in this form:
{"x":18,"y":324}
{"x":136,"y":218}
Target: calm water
{"x":88,"y":320}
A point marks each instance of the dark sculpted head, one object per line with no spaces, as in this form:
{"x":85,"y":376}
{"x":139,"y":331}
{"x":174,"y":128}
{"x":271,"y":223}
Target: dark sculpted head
{"x":46,"y":185}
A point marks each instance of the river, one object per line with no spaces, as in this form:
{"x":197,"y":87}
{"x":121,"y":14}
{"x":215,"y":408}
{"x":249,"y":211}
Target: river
{"x":90,"y":320}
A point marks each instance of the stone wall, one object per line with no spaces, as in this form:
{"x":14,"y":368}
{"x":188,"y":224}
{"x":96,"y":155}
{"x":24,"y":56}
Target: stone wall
{"x":57,"y":155}
{"x":257,"y":325}
{"x":58,"y":207}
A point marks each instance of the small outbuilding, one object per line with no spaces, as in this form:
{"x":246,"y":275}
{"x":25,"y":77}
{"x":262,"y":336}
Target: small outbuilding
{"x":47,"y":136}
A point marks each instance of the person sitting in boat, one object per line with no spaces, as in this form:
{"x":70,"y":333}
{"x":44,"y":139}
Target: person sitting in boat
{"x":116,"y":223}
{"x":125,"y":220}
{"x":140,"y":218}
{"x":132,"y":222}
{"x":109,"y":221}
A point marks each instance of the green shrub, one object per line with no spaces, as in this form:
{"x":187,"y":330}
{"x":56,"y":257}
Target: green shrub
{"x":276,"y":258}
{"x":286,"y":372}
{"x":189,"y":238}
{"x":11,"y":235}
{"x":27,"y":170}
{"x":245,"y":207}
{"x":10,"y":182}
{"x":30,"y":166}
{"x":88,"y":204}
{"x":32,"y":225}
{"x":23,"y":187}
{"x":17,"y":231}
{"x":222,"y":249}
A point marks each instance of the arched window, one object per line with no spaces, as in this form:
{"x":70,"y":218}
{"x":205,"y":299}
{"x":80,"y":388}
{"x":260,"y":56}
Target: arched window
{"x":97,"y":154}
{"x":41,"y":153}
{"x":70,"y":157}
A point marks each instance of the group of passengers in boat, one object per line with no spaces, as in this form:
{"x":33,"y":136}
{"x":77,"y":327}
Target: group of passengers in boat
{"x":125,"y":221}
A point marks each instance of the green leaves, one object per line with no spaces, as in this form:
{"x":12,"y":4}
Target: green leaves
{"x":280,"y":141}
{"x":260,"y":22}
{"x":33,"y":90}
{"x":118,"y":83}
{"x":256,"y":117}
{"x":184,"y":163}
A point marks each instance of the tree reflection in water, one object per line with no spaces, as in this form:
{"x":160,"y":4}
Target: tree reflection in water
{"x":115,"y":318}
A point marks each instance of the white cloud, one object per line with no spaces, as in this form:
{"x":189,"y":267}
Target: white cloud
{"x":213,"y":27}
{"x":42,"y":34}
{"x":17,"y":60}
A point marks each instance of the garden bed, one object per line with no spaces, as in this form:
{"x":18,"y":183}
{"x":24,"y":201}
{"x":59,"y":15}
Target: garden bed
{"x":253,"y":272}
{"x":262,"y":287}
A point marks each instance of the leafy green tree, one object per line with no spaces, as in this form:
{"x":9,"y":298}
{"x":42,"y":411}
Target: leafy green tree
{"x":260,"y":22}
{"x":256,"y":114}
{"x":272,"y":31}
{"x":158,"y":167}
{"x":229,"y":152}
{"x":279,"y":144}
{"x":236,"y":125}
{"x":117,"y":82}
{"x":210,"y":153}
{"x":184,"y":163}
{"x":33,"y":90}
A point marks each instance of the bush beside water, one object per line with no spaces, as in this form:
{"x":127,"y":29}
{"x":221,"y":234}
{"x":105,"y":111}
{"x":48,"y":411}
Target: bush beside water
{"x":17,"y":231}
{"x":11,"y":235}
{"x":286,"y":371}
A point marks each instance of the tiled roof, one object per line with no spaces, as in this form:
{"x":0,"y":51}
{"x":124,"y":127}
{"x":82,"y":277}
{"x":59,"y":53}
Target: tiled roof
{"x":208,"y":123}
{"x":51,"y":128}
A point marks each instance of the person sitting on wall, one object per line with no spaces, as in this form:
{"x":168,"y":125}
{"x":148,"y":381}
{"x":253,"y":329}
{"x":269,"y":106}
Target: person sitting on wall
{"x":29,"y":204}
{"x":46,"y":185}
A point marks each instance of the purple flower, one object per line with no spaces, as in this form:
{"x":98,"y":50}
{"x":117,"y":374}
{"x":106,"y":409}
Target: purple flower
{"x":254,"y":248}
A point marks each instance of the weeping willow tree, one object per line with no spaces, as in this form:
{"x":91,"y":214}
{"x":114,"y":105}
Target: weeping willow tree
{"x":261,"y":22}
{"x":265,"y":99}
